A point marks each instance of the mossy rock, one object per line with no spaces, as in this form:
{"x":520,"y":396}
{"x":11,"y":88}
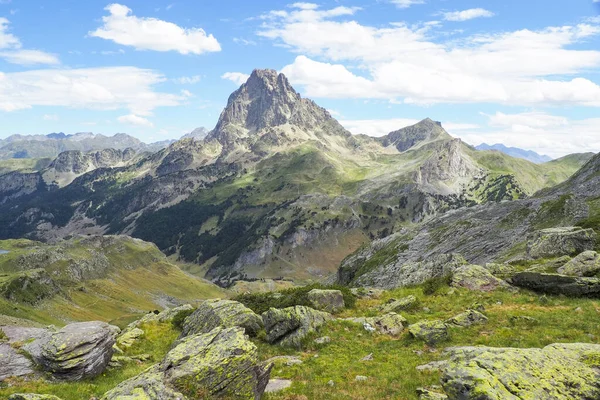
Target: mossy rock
{"x":216,"y":313}
{"x":468,"y":318}
{"x":331,"y":301}
{"x":555,"y":242}
{"x":584,"y":264}
{"x":475,"y":277}
{"x":149,"y":385}
{"x":289,"y":326}
{"x":431,"y":332}
{"x":397,"y":305}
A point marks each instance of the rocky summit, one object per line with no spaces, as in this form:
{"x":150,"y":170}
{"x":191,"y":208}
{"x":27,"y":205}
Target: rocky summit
{"x":279,"y":256}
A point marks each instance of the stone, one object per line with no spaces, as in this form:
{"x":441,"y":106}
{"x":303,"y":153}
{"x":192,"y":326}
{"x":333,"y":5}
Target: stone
{"x":129,"y":337}
{"x":360,"y":378}
{"x":77,"y":351}
{"x":323,"y":340}
{"x":426,"y":394}
{"x":555,"y":242}
{"x":585,"y":264}
{"x":558,"y":371}
{"x":549,"y":266}
{"x":289,"y":326}
{"x":287,"y":360}
{"x":331,"y":383}
{"x":500,"y":270}
{"x":396,"y":305}
{"x":148,"y":385}
{"x":277,"y":385}
{"x":32,"y":396}
{"x":432,"y":366}
{"x":431,"y":332}
{"x":389,"y":324}
{"x":475,"y":277}
{"x":19,"y":334}
{"x":367,"y":293}
{"x":557,"y":284}
{"x":331,"y":301}
{"x":223,"y":362}
{"x":468,"y":318}
{"x":368,"y":357}
{"x":221,"y":313}
{"x":13,"y":364}
{"x":167,"y":315}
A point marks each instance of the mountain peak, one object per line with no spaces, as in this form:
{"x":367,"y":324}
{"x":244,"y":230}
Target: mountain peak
{"x":426,"y":130}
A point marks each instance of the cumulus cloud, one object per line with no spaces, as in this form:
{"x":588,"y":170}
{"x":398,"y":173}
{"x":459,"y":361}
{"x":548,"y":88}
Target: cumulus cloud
{"x":236,"y":77}
{"x":13,"y":52}
{"x":466,"y":15}
{"x":108,"y":88}
{"x":406,"y":3}
{"x":133,"y":119}
{"x":124,"y":28}
{"x":403,"y":64}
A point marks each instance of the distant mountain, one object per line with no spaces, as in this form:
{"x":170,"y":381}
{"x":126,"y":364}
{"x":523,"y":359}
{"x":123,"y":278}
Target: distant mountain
{"x":198,"y":134}
{"x":51,"y":145}
{"x":516,"y":152}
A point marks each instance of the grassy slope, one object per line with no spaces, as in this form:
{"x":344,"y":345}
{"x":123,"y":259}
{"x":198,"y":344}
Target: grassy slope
{"x":138,"y":281}
{"x":23,"y":164}
{"x":391,"y":374}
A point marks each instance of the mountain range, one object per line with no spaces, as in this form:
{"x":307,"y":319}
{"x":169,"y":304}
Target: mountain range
{"x":277,"y":189}
{"x":528,"y":155}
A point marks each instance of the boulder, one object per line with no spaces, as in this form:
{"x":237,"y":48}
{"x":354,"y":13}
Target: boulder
{"x":13,"y":364}
{"x":396,"y":305}
{"x":129,"y":337}
{"x":216,"y":313}
{"x":501,"y":270}
{"x":559,"y":371}
{"x":426,"y":394}
{"x":167,"y":315}
{"x":475,"y":277}
{"x":220,"y":363}
{"x":557,"y":284}
{"x":431,"y":332}
{"x":32,"y":396}
{"x":555,"y":242}
{"x":389,"y":324}
{"x":331,"y":301}
{"x":77,"y":351}
{"x":468,"y":318}
{"x":549,"y":265}
{"x":148,"y":385}
{"x":277,"y":385}
{"x":288,"y":326}
{"x":585,"y":264}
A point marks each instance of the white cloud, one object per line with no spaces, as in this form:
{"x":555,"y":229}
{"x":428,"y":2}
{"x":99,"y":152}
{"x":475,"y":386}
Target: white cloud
{"x":186,"y":93}
{"x":531,"y":119}
{"x":13,"y":52}
{"x":187,"y":80}
{"x":305,"y":6}
{"x":236,"y":77}
{"x":152,"y":34}
{"x":466,"y":15}
{"x":109,"y":88}
{"x":402,"y":64}
{"x":244,"y":42}
{"x":50,"y":117}
{"x":29,"y":57}
{"x":133,"y":119}
{"x":406,"y":3}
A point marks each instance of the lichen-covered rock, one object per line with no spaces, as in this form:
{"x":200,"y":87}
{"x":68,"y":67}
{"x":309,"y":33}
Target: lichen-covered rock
{"x":149,"y":385}
{"x":77,"y":351}
{"x":331,"y":301}
{"x":560,"y":371}
{"x":13,"y":364}
{"x":389,"y":324}
{"x":221,"y":313}
{"x":166,"y":315}
{"x":585,"y":264}
{"x":431,"y":332}
{"x":549,"y":265}
{"x":396,"y":305}
{"x":368,"y":293}
{"x":475,"y":277}
{"x":32,"y":396}
{"x":500,"y":270}
{"x":557,"y":284}
{"x":288,"y":326}
{"x":468,"y":318}
{"x":556,"y":242}
{"x":222,"y":362}
{"x":129,"y":337}
{"x":426,"y":394}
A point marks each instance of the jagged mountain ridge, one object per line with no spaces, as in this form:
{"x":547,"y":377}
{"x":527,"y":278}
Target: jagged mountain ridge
{"x":278,"y":188}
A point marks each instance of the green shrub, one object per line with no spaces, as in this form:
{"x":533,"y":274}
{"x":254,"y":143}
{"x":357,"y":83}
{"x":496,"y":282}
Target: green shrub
{"x":180,"y":319}
{"x":431,"y":286}
{"x":261,"y":302}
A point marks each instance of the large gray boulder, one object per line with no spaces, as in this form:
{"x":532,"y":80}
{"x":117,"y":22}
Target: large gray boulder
{"x":585,"y":264}
{"x":225,"y":313}
{"x":13,"y":364}
{"x":288,"y":326}
{"x":468,"y":318}
{"x":475,"y":277}
{"x":331,"y":301}
{"x":388,"y":324}
{"x":555,"y":242}
{"x":77,"y":351}
{"x":558,"y":371}
{"x":557,"y":284}
{"x":149,"y":385}
{"x":431,"y":332}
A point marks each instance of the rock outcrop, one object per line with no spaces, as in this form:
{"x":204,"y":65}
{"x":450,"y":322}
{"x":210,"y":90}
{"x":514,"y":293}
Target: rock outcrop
{"x":431,"y":332}
{"x":468,"y":318}
{"x":475,"y":277}
{"x":331,"y":301}
{"x":584,"y":264}
{"x":557,"y":284}
{"x":288,"y":326}
{"x":13,"y":364}
{"x":77,"y":351}
{"x":555,"y":242}
{"x":558,"y":371}
{"x":221,"y":313}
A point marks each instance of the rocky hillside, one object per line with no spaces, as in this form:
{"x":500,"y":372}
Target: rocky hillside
{"x":495,"y":232}
{"x":277,"y":189}
{"x":96,"y":277}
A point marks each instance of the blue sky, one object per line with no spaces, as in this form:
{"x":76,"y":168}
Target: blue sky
{"x":523,"y":73}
